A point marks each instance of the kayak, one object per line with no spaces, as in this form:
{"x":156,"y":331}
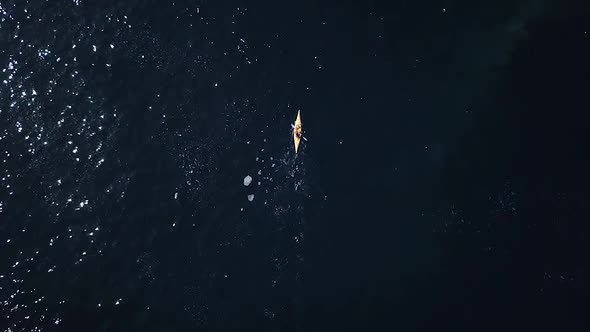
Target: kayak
{"x":297,"y":131}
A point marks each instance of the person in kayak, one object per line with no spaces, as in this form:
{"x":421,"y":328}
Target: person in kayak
{"x":298,"y":131}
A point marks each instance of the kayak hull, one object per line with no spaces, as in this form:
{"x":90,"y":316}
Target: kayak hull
{"x":297,"y":139}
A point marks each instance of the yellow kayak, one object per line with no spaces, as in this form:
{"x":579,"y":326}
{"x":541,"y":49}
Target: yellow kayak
{"x":297,"y":131}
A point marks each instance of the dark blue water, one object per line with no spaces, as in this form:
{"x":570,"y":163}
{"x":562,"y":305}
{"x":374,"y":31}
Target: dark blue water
{"x":443,"y":183}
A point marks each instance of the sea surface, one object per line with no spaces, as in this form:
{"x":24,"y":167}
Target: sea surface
{"x":443,"y":182}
